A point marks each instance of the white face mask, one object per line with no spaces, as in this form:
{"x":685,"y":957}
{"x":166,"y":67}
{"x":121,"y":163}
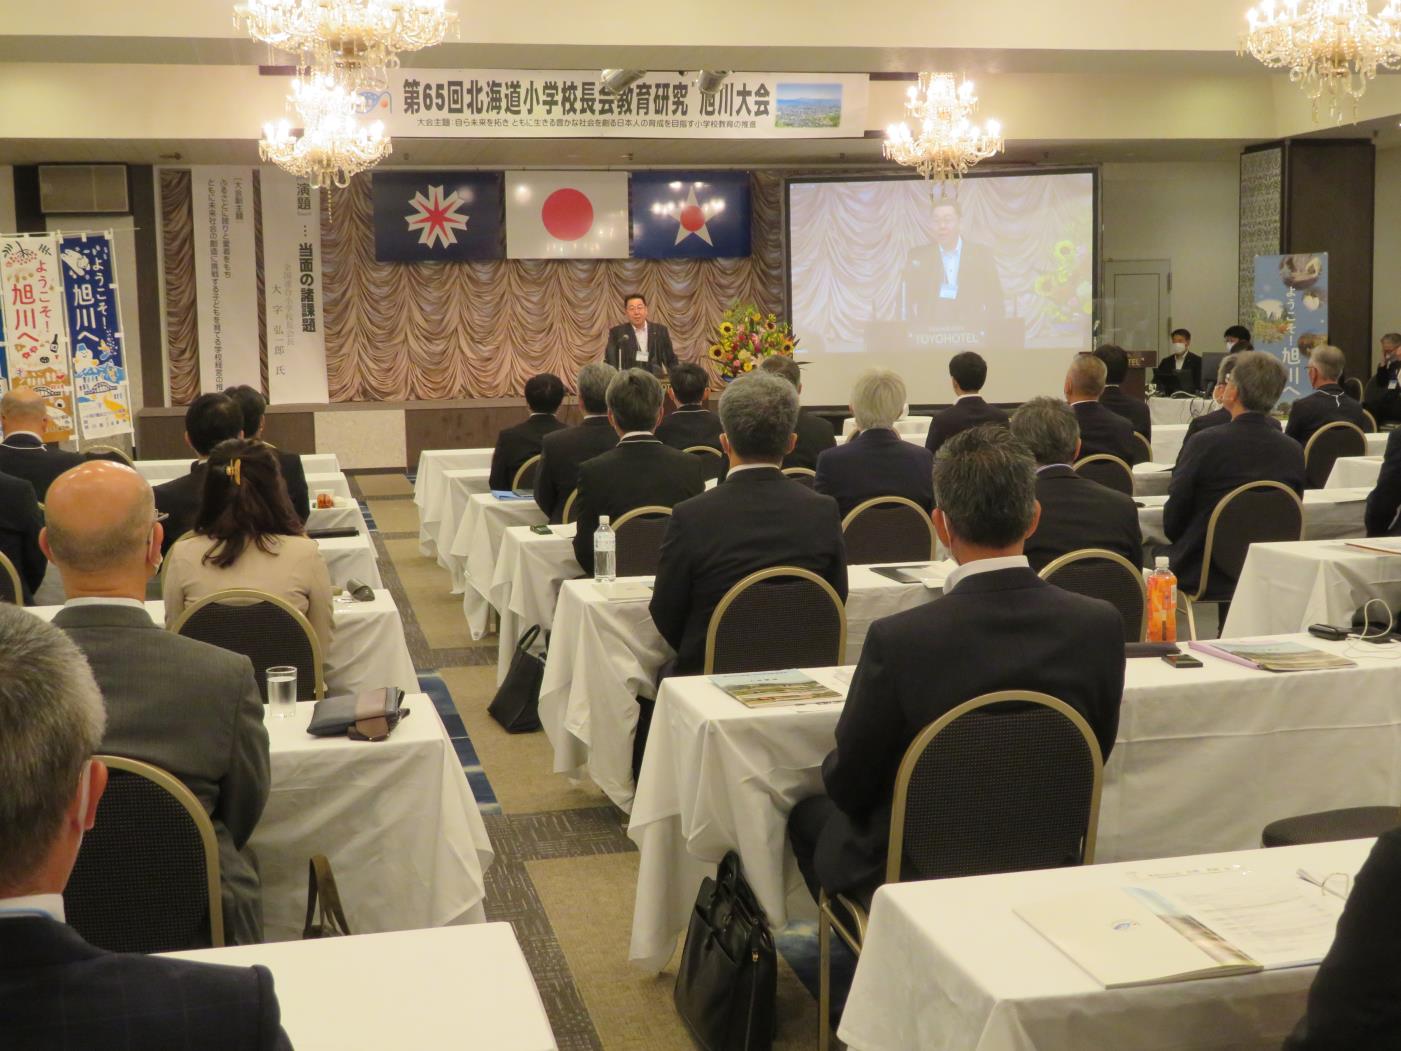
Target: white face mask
{"x":1230,"y":345}
{"x":1179,"y":349}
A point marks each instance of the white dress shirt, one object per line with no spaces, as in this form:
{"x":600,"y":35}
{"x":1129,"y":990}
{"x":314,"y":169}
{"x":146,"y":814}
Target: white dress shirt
{"x":752,"y":467}
{"x":984,"y":565}
{"x":50,"y":905}
{"x":640,"y":334}
{"x":952,"y":260}
{"x":105,"y":600}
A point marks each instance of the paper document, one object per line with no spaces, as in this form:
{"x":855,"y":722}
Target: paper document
{"x":1273,"y":656}
{"x":1382,"y":545}
{"x":781,"y":688}
{"x":624,"y":590}
{"x":930,"y":574}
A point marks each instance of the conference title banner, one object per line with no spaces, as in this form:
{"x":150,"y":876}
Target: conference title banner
{"x":515,"y":103}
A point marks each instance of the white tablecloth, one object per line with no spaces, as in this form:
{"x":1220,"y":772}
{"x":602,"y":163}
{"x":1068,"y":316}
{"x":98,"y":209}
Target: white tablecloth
{"x":477,"y":544}
{"x":1203,"y":760}
{"x":345,"y":515}
{"x":1167,"y":441}
{"x":1329,"y":514}
{"x":429,"y":492}
{"x":370,"y":991}
{"x":157,"y":471}
{"x":1151,"y":479}
{"x":351,"y":556}
{"x":1287,"y":587}
{"x":334,"y":483}
{"x":1351,"y":472}
{"x":904,"y":425}
{"x":918,"y":437}
{"x":456,"y":488}
{"x":605,"y":653}
{"x":396,"y":818}
{"x":1177,"y":410}
{"x":949,"y":964}
{"x":525,"y":583}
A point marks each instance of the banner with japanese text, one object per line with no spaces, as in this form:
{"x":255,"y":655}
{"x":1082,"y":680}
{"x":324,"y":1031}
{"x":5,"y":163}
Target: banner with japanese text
{"x":516,"y":103}
{"x":226,"y":287}
{"x":37,"y":343}
{"x":292,"y":289}
{"x":95,"y":333}
{"x":1291,"y":300}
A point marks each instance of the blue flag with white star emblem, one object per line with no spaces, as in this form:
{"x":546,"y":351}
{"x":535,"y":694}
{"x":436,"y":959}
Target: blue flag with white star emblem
{"x":434,"y":216}
{"x":690,"y":215}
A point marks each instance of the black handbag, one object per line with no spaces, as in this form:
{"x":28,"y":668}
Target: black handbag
{"x":728,"y":979}
{"x":516,"y":705}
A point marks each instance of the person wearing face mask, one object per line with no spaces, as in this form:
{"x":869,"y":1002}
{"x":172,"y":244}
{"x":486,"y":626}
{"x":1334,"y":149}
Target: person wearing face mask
{"x":1383,"y":395}
{"x":1220,"y":414}
{"x":1236,"y":334}
{"x":1181,"y":370}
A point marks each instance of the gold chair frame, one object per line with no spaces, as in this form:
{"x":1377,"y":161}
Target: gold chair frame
{"x":757,"y":578}
{"x":1147,"y":445}
{"x":248,"y":596}
{"x":1211,"y":531}
{"x":110,"y":449}
{"x":567,"y":515}
{"x":1107,"y":458}
{"x":800,"y":472}
{"x":1086,"y":553}
{"x":520,"y":471}
{"x":1334,"y":426}
{"x":877,"y":501}
{"x":8,"y":569}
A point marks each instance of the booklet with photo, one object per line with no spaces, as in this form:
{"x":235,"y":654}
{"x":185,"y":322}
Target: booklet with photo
{"x":1273,"y":656}
{"x":763,"y":688}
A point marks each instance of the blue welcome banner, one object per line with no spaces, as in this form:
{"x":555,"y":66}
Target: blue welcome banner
{"x":1291,"y":300}
{"x":95,"y":335}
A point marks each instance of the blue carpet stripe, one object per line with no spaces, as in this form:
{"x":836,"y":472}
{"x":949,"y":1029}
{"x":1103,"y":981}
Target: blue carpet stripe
{"x":437,"y":691}
{"x":369,"y":516}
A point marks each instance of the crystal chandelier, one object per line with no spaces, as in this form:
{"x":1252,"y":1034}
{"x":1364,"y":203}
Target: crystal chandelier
{"x":945,"y":143}
{"x":1331,"y":47}
{"x":334,"y":144}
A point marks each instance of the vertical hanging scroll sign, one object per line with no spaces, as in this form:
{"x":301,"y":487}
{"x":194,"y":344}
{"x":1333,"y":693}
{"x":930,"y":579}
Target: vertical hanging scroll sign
{"x":36,"y":348}
{"x":95,"y":328}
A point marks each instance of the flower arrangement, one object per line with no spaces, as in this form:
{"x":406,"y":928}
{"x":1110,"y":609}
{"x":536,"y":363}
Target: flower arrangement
{"x":1066,"y":287}
{"x":744,"y":337}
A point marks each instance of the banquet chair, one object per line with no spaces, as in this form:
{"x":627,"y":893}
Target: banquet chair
{"x":525,"y":474}
{"x":638,"y":535}
{"x":712,"y":460}
{"x":1147,"y":447}
{"x":1007,"y":782}
{"x":802,"y":475}
{"x":1353,"y":387}
{"x":1330,"y":826}
{"x":888,"y":529}
{"x":742,"y":636}
{"x":1104,"y":575}
{"x":567,"y":515}
{"x":1326,"y":446}
{"x":107,"y":452}
{"x":266,"y":629}
{"x":11,"y":590}
{"x":147,"y":876}
{"x":1108,"y":471}
{"x":1371,"y":421}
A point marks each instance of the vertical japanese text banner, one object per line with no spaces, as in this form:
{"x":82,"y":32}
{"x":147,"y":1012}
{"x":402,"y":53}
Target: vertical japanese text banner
{"x":1291,"y":300}
{"x":95,"y":328}
{"x":226,"y":283}
{"x":37,"y":348}
{"x":292,"y":287}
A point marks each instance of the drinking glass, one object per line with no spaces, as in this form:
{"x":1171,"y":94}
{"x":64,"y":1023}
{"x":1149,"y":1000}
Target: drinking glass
{"x":282,"y":691}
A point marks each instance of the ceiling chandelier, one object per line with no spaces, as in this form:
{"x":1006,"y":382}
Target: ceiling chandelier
{"x":1331,"y":47}
{"x":944,"y":142}
{"x":334,"y":143}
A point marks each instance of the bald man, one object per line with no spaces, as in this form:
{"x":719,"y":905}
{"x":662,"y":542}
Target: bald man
{"x":185,"y":706}
{"x":23,"y":452}
{"x":1101,"y":431}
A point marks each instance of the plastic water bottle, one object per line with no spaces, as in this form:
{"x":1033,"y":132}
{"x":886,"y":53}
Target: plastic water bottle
{"x":605,"y":547}
{"x":1162,"y":602}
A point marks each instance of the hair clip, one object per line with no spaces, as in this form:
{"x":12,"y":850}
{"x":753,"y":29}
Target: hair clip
{"x":234,"y":469}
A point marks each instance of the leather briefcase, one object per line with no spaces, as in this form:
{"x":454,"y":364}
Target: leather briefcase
{"x":516,"y":705}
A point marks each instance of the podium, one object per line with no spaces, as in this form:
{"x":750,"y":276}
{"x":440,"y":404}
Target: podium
{"x":1141,"y":362}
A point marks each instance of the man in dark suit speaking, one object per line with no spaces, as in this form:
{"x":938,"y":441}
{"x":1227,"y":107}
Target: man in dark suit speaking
{"x":952,"y":281}
{"x":637,"y":343}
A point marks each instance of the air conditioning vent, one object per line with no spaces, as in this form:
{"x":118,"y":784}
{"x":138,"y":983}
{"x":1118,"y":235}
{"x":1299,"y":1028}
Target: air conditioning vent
{"x":82,"y":189}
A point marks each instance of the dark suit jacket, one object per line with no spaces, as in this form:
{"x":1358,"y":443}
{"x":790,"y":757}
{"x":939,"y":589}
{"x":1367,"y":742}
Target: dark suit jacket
{"x":1355,"y":1000}
{"x":25,"y":456}
{"x":815,"y":436}
{"x":1382,"y":398}
{"x":1212,"y":464}
{"x":1067,"y":645}
{"x":969,"y":411}
{"x":1077,"y":512}
{"x":622,"y":348}
{"x":639,"y":472}
{"x":876,"y":463}
{"x":755,"y":520}
{"x":1384,"y":504}
{"x":294,"y":475}
{"x":1188,"y":378}
{"x":194,"y":710}
{"x":1215,"y":418}
{"x":690,"y":425}
{"x":561,"y":453}
{"x":1105,"y":431}
{"x":180,"y":498}
{"x":979,"y":298}
{"x":1327,"y":404}
{"x":20,"y":523}
{"x":1135,"y":410}
{"x":58,"y":993}
{"x":515,"y":445}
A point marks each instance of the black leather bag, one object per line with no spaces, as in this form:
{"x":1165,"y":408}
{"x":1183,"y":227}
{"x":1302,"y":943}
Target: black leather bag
{"x":516,"y":705}
{"x":728,"y":979}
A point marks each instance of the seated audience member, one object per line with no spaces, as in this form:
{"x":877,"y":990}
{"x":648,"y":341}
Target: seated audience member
{"x":756,"y":519}
{"x":692,"y":423}
{"x":1383,"y":517}
{"x":967,"y":373}
{"x":1116,"y":368}
{"x":639,"y":471}
{"x":20,"y":522}
{"x":56,"y":990}
{"x":564,"y":450}
{"x":185,"y":706}
{"x":246,"y":535}
{"x":1218,"y":415}
{"x":1221,"y":459}
{"x":515,"y":445}
{"x":1067,"y":645}
{"x":877,"y":462}
{"x":23,"y":453}
{"x":1328,"y":402}
{"x":210,"y":419}
{"x":1076,"y":512}
{"x":1101,"y":431}
{"x":1382,"y":398}
{"x":1235,"y":336}
{"x":815,"y":434}
{"x":1181,"y":370}
{"x":254,"y":407}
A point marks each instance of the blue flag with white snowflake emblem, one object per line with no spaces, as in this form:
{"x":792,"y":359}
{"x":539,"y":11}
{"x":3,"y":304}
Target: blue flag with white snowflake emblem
{"x":430,"y":216}
{"x":690,"y":215}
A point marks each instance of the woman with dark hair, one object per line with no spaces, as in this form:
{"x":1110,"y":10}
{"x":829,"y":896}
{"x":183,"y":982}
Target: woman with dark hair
{"x":247,"y":535}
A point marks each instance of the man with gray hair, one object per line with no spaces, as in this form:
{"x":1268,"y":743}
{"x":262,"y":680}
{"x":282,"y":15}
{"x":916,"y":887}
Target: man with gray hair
{"x":998,"y":626}
{"x":185,"y":706}
{"x":756,"y":519}
{"x":56,"y":990}
{"x":640,"y":471}
{"x":1221,"y":459}
{"x":1101,"y":431}
{"x":1382,"y":397}
{"x":1327,"y":402}
{"x":815,"y":435}
{"x":562,"y":452}
{"x":877,"y":461}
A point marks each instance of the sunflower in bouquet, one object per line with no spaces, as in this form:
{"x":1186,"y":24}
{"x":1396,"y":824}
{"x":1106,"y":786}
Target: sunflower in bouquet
{"x":744,"y":337}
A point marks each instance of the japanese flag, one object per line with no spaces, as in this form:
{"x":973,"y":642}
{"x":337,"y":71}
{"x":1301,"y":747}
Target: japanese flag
{"x":567,"y":215}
